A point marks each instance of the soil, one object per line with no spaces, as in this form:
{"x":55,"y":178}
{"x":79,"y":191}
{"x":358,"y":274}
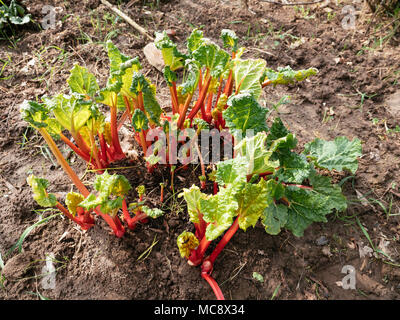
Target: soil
{"x":352,"y":95}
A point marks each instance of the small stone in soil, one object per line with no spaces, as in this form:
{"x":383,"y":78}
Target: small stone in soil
{"x":321,"y":241}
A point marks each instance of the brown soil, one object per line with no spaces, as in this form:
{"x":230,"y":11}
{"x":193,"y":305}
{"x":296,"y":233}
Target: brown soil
{"x":97,"y":265}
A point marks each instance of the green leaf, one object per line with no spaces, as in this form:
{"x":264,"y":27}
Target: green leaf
{"x":195,"y":40}
{"x":274,"y":218}
{"x":230,"y":39}
{"x":192,"y":78}
{"x":111,"y":190}
{"x":169,"y":76}
{"x":252,"y":200}
{"x":294,"y":168}
{"x":247,"y":74}
{"x":34,"y":113}
{"x":82,"y":81}
{"x":212,"y":57}
{"x":150,"y":103}
{"x":139,"y":121}
{"x":287,"y":75}
{"x":245,"y":113}
{"x":69,"y":111}
{"x":308,"y":206}
{"x":187,"y":242}
{"x":152,"y":213}
{"x":172,"y":57}
{"x":232,"y":171}
{"x":256,"y":153}
{"x":111,"y":98}
{"x":277,"y":131}
{"x":219,"y":211}
{"x":340,"y":154}
{"x":72,"y":200}
{"x":40,"y":194}
{"x":192,"y":197}
{"x":122,"y":69}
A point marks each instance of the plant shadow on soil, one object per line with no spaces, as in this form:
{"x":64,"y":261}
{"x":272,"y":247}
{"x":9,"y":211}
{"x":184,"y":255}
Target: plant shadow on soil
{"x":96,"y":265}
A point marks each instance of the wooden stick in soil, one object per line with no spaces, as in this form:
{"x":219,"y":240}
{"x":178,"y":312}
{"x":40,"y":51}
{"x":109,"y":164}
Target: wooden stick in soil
{"x":140,"y":29}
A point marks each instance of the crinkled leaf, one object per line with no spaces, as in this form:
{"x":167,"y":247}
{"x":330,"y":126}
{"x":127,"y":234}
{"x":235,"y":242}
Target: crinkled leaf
{"x":232,"y":171}
{"x":34,"y":113}
{"x":212,"y":57}
{"x":247,"y":74}
{"x":195,"y":40}
{"x":187,"y":242}
{"x":152,"y":213}
{"x":40,"y":194}
{"x":308,"y":206}
{"x":192,"y":197}
{"x":139,"y":121}
{"x":111,"y":99}
{"x":111,"y":190}
{"x":245,"y":113}
{"x":230,"y":39}
{"x":340,"y":154}
{"x":192,"y":78}
{"x":169,"y":76}
{"x":69,"y":111}
{"x":150,"y":103}
{"x":287,"y":75}
{"x":274,"y":218}
{"x":219,"y":210}
{"x":257,"y":154}
{"x":72,"y":200}
{"x":114,"y":184}
{"x":294,"y":168}
{"x":277,"y":131}
{"x":82,"y":81}
{"x":172,"y":57}
{"x":252,"y":200}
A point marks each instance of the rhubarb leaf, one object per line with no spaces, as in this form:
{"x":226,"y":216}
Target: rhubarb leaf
{"x":111,"y":190}
{"x":152,"y":213}
{"x":229,"y":39}
{"x":69,"y":111}
{"x":219,"y":211}
{"x":139,"y":121}
{"x":72,"y":200}
{"x":195,"y":40}
{"x":151,"y":106}
{"x":245,"y":113}
{"x":274,"y":218}
{"x":212,"y":57}
{"x":308,"y":206}
{"x":287,"y":75}
{"x":169,"y":76}
{"x":34,"y":113}
{"x":192,"y":79}
{"x":257,"y":154}
{"x":232,"y":171}
{"x":294,"y":168}
{"x":340,"y":154}
{"x":40,"y":194}
{"x":277,"y":131}
{"x":187,"y":242}
{"x":247,"y":74}
{"x":172,"y":57}
{"x":252,"y":200}
{"x":82,"y":81}
{"x":192,"y":197}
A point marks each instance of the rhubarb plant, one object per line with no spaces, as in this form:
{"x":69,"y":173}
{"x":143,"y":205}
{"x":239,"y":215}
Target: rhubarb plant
{"x":109,"y":199}
{"x":266,"y":182}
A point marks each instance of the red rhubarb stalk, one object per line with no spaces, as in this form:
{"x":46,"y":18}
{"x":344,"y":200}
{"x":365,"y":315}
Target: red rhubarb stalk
{"x":224,"y":241}
{"x":214,"y":286}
